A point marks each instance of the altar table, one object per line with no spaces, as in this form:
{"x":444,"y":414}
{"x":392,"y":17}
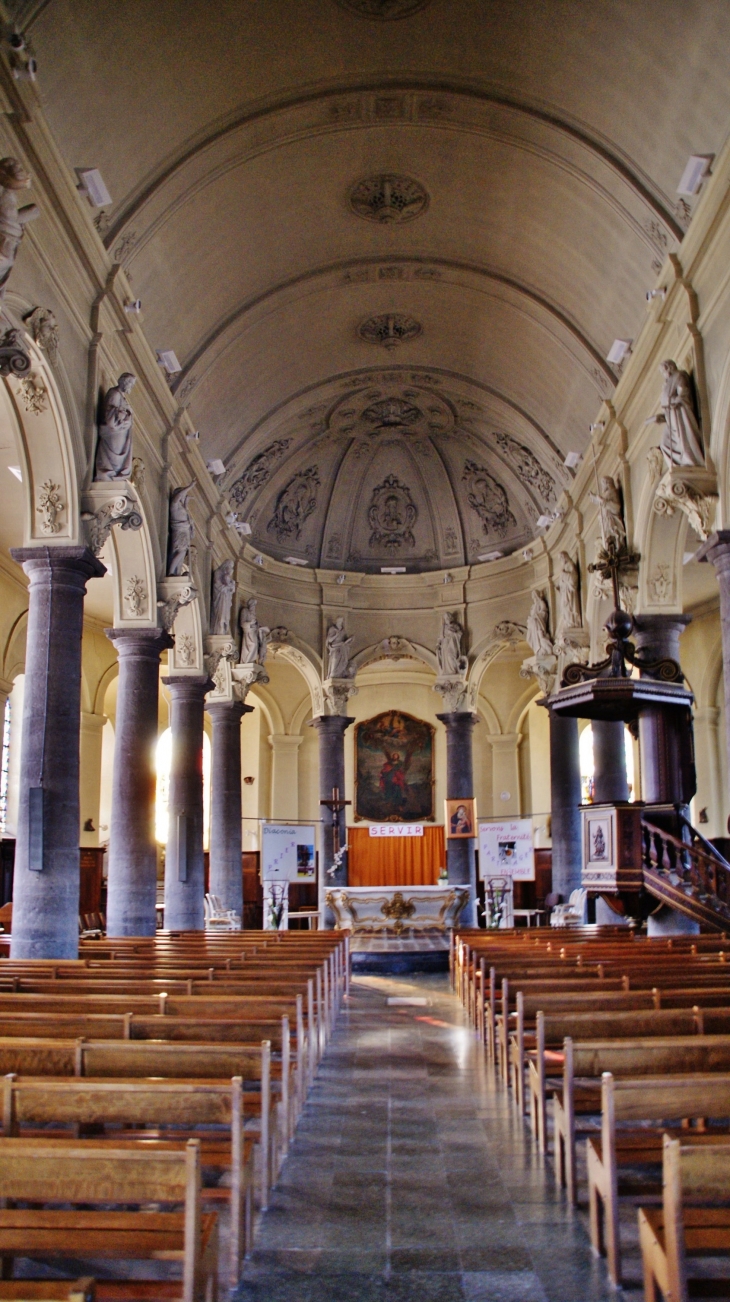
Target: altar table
{"x":392,"y":910}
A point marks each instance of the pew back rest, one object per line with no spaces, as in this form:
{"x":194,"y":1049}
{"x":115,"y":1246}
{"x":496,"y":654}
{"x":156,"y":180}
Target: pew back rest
{"x":35,"y":1170}
{"x":135,"y":1103}
{"x":666,"y":1098}
{"x":618,"y":1025}
{"x":658,"y":1056}
{"x":694,"y":1174}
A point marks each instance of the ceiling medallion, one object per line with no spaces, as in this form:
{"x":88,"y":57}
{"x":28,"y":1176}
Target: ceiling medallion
{"x":389,"y":198}
{"x":389,"y":329}
{"x":384,"y":10}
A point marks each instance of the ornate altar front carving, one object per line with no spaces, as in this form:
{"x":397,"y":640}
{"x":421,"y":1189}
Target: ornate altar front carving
{"x":394,"y":911}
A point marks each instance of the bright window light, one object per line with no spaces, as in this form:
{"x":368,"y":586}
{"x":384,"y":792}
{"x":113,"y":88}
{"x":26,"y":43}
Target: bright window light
{"x":587,"y":767}
{"x":163,"y":765}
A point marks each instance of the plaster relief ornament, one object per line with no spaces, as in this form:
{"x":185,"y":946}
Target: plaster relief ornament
{"x":488,"y":498}
{"x":181,"y":533}
{"x":294,"y":505}
{"x":566,"y":583}
{"x":682,"y":441}
{"x":255,"y":637}
{"x":388,"y":198}
{"x":14,"y":360}
{"x":391,"y":515}
{"x":538,"y":626}
{"x":13,"y":220}
{"x":451,"y":662}
{"x":114,"y":447}
{"x":169,"y":608}
{"x":384,"y":10}
{"x":117,"y":511}
{"x":338,"y":645}
{"x":185,"y":649}
{"x":49,"y":506}
{"x":528,"y":468}
{"x":389,"y":329}
{"x":33,"y":394}
{"x":224,"y":587}
{"x":258,"y":472}
{"x":135,"y":596}
{"x":43,"y":327}
{"x":608,"y":499}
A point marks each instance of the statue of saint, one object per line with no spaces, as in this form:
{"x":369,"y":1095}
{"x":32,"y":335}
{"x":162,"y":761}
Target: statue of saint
{"x":338,"y":650}
{"x":114,"y":448}
{"x":566,"y":583}
{"x":608,"y":498}
{"x":682,"y":441}
{"x":13,"y":220}
{"x":538,"y":626}
{"x":451,"y":662}
{"x":224,"y":587}
{"x":182,"y":531}
{"x":255,"y":637}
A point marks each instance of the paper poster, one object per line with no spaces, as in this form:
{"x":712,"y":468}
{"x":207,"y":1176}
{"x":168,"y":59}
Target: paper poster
{"x":505,"y":850}
{"x":288,"y":853}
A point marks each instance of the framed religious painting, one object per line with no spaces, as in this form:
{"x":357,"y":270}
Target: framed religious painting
{"x":461,"y":818}
{"x":394,"y":776}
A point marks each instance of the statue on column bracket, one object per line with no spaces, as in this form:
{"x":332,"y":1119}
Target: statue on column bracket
{"x":686,"y":483}
{"x":254,"y":646}
{"x":13,"y":220}
{"x":181,"y":533}
{"x":114,"y":446}
{"x":542,"y":664}
{"x":571,"y":639}
{"x":224,"y":587}
{"x":681,"y":441}
{"x":608,"y":499}
{"x":451,"y":683}
{"x":338,"y":651}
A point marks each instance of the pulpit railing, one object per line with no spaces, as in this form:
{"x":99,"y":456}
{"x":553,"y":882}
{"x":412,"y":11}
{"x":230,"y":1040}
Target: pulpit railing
{"x":693,"y":879}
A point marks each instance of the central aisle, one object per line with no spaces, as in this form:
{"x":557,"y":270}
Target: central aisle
{"x":410,"y":1177}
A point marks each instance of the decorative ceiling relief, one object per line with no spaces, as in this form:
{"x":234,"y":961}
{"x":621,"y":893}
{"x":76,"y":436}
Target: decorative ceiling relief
{"x":389,"y":198}
{"x":391,"y":515}
{"x":389,"y":329}
{"x":258,"y":472}
{"x":383,"y":10}
{"x":528,"y":468}
{"x":488,"y":498}
{"x":294,"y":505}
{"x":400,"y":409}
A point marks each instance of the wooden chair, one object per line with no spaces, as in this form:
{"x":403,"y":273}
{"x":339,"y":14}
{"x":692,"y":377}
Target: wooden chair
{"x":676,"y":1232}
{"x":44,"y":1172}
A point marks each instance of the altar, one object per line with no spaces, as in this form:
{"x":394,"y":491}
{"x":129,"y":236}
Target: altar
{"x":396,"y":928}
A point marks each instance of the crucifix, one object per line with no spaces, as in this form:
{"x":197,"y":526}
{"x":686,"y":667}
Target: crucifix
{"x":611,"y":560}
{"x":336,"y":806}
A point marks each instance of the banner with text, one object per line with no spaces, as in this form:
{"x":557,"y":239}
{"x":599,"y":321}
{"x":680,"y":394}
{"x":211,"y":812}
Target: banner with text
{"x":288,"y":853}
{"x":396,"y":829}
{"x":506,"y":850}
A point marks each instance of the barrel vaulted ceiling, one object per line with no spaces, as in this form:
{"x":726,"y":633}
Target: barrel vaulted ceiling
{"x":390,"y":241}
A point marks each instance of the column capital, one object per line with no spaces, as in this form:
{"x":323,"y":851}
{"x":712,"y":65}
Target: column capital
{"x":228,"y":708}
{"x":504,"y":740}
{"x":79,"y":561}
{"x":716,"y":549}
{"x":284,"y":741}
{"x":459,"y":719}
{"x":190,"y":687}
{"x":331,"y":725}
{"x":149,"y":642}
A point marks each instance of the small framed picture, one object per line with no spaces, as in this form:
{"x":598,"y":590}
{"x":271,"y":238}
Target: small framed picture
{"x":461,"y":818}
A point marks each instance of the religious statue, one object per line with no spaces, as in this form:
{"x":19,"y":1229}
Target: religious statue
{"x":538,"y":626}
{"x":181,"y":532}
{"x":608,"y":499}
{"x":13,"y":220}
{"x":448,"y":648}
{"x":114,"y":448}
{"x":338,"y":650}
{"x":255,"y":637}
{"x":224,"y":587}
{"x":682,"y":441}
{"x":566,"y":583}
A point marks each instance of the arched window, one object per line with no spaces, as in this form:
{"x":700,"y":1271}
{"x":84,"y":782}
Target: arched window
{"x":163,"y":763}
{"x":586,"y":764}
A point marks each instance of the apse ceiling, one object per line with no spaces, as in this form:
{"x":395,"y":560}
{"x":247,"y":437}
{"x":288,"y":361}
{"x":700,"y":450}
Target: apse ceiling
{"x":390,"y":241}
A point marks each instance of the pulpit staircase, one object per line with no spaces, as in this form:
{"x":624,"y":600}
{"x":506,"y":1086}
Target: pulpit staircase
{"x":686,"y":872}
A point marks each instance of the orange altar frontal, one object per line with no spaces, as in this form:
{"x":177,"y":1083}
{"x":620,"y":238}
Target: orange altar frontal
{"x":395,"y":860}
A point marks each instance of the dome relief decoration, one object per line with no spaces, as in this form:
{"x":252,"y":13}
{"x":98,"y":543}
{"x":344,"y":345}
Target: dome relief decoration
{"x":294,"y":505}
{"x":384,"y":10}
{"x":257,"y":473}
{"x":389,"y":329}
{"x":389,"y":199}
{"x":402,"y":410}
{"x":528,"y":468}
{"x":391,"y":515}
{"x":488,"y":498}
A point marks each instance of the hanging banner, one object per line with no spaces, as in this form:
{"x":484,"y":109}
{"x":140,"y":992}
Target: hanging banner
{"x":396,"y":829}
{"x":288,"y":853}
{"x":506,"y":850}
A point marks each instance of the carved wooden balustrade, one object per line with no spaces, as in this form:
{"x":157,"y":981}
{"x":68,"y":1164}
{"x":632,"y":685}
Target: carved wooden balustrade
{"x":686,"y":876}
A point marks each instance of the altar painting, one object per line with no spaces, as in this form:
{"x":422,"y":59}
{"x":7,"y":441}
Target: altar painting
{"x":394,"y":768}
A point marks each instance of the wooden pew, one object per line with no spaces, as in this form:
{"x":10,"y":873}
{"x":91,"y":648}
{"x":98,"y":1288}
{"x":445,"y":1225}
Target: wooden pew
{"x":173,"y":1108}
{"x":41,"y":1171}
{"x":47,"y":1290}
{"x":586,"y":1061}
{"x":676,"y":1232}
{"x":661,"y":1099}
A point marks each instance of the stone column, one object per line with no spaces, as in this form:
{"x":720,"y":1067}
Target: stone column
{"x":717,"y":550}
{"x":92,"y":729}
{"x":132,"y":882}
{"x":285,"y":775}
{"x":460,"y":859}
{"x":46,"y":888}
{"x":226,"y":872}
{"x":663,"y":731}
{"x":331,"y":731}
{"x":565,"y":799}
{"x":184,"y":867}
{"x":709,"y":783}
{"x":609,"y":762}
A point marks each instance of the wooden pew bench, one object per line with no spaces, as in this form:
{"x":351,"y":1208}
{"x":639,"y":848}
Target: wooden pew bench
{"x":47,"y":1290}
{"x":662,"y":1099}
{"x":44,"y":1172}
{"x":673,"y":1235}
{"x":586,"y":1061}
{"x":154,"y":1112}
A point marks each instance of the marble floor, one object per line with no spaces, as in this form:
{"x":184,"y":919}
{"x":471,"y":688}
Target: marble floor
{"x":410,"y":1178}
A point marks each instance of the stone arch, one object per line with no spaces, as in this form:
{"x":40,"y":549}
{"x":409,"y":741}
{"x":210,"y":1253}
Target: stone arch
{"x":14,"y":654}
{"x":487,"y":652}
{"x":660,"y":541}
{"x":309,"y":665}
{"x":395,"y":648}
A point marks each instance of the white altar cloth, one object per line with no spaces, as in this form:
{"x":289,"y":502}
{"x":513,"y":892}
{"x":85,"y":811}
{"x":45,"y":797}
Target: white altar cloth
{"x":393,"y":910}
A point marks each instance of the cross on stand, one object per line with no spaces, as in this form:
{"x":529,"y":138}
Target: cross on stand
{"x":611,"y":560}
{"x":336,"y":806}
